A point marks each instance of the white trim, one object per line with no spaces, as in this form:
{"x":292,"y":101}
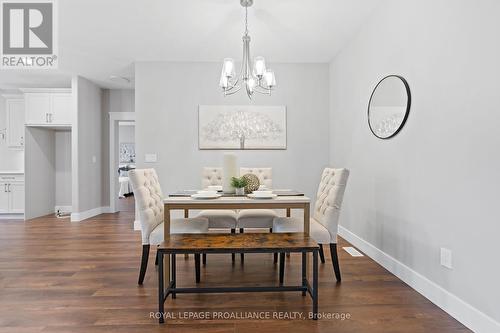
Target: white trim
{"x":77,"y":217}
{"x":63,"y":209}
{"x":46,"y":90}
{"x":114,"y":118}
{"x":11,"y":216}
{"x":454,"y":306}
{"x":13,"y":96}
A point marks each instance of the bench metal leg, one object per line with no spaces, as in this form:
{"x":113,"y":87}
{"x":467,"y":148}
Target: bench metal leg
{"x":304,"y":271}
{"x":161,"y":297}
{"x":197,"y":266}
{"x":242,"y":255}
{"x":174,"y":277}
{"x":204,"y":259}
{"x":282,"y":267}
{"x":233,"y":255}
{"x":315,"y":285}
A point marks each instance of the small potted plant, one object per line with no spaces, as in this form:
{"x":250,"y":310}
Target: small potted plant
{"x":239,"y":184}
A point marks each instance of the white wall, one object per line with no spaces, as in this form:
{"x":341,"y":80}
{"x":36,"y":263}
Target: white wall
{"x":437,"y":183}
{"x":10,"y":160}
{"x":88,"y":146}
{"x":40,"y":172}
{"x":167,"y":99}
{"x":126,"y":133}
{"x":63,"y":168}
{"x":113,"y":100}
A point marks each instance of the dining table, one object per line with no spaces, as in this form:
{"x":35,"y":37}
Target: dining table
{"x":285,"y":199}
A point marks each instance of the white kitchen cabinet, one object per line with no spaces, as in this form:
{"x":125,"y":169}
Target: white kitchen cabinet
{"x":14,"y":120}
{"x":4,"y":198}
{"x":61,"y":105}
{"x":37,"y":108}
{"x":15,"y":123}
{"x":11,"y":194}
{"x":48,"y":107}
{"x":16,"y":192}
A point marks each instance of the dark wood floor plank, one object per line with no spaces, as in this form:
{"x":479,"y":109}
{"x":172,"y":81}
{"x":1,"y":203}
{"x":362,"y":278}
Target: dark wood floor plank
{"x":57,"y":276}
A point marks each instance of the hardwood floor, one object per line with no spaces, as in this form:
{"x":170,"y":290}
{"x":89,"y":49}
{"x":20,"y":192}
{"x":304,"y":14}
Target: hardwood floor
{"x":57,"y":276}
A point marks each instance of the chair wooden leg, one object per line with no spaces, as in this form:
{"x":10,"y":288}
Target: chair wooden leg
{"x":156,"y":259}
{"x":197,"y":266}
{"x":282,"y":267}
{"x":204,"y":259}
{"x":233,"y":255}
{"x":144,"y":263}
{"x":242,"y":255}
{"x":335,"y":261}
{"x":321,"y":253}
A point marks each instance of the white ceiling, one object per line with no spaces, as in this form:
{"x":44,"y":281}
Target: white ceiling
{"x":101,"y":38}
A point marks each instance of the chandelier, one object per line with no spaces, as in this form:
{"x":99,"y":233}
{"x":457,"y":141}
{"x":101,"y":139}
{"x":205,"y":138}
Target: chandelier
{"x":257,"y":79}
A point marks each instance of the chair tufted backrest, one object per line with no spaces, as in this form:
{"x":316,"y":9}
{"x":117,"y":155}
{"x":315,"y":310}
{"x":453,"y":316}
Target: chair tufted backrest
{"x":149,"y":199}
{"x":265,"y":175}
{"x":210,"y":177}
{"x":329,"y":198}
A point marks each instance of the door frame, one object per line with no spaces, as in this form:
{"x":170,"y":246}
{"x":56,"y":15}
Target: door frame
{"x":114,"y":119}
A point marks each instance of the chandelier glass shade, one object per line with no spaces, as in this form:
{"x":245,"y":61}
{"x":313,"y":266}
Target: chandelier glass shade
{"x":253,"y":76}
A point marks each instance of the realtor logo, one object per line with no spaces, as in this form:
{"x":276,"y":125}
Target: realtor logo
{"x":28,"y":34}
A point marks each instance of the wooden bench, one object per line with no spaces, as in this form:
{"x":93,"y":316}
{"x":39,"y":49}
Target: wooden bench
{"x":237,"y":243}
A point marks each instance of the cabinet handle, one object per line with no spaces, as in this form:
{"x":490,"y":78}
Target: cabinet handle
{"x":50,"y":117}
{"x":8,"y":187}
{"x":46,"y":117}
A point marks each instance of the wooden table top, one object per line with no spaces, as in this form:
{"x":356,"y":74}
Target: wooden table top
{"x":288,"y":242}
{"x":278,"y":192}
{"x":236,"y":200}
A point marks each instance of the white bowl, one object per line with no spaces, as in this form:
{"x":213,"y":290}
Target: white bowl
{"x":262,"y":194}
{"x":207,"y":193}
{"x":214,"y":188}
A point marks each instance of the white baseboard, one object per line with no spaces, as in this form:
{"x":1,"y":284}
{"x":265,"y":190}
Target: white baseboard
{"x":137,"y":225}
{"x":454,"y":306}
{"x":11,"y":216}
{"x":63,"y":209}
{"x":77,"y":217}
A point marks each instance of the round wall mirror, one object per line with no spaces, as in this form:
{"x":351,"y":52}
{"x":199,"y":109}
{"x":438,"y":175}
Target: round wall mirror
{"x":389,"y":106}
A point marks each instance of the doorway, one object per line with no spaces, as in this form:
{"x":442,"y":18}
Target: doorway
{"x":121,"y":160}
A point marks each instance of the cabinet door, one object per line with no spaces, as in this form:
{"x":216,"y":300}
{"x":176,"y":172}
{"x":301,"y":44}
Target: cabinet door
{"x":4,"y":198}
{"x":16,"y":192}
{"x":37,"y":108}
{"x":15,"y":123}
{"x":62,"y":109}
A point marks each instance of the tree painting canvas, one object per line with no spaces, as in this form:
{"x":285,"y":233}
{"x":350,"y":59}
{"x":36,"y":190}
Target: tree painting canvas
{"x":241,"y":127}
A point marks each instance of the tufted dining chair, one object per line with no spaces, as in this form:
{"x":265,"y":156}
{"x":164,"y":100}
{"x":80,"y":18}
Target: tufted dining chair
{"x":222,"y":218}
{"x":217,"y":218}
{"x":257,"y":218}
{"x":149,"y":198}
{"x":211,"y":176}
{"x":324,"y":222}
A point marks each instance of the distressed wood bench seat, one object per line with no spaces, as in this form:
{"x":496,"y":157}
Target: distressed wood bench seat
{"x":236,"y":243}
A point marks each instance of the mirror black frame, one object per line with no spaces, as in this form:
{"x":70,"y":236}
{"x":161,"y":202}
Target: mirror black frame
{"x":408,"y":105}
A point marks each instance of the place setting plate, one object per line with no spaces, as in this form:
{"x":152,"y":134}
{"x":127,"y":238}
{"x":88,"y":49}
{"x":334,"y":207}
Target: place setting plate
{"x":206,"y":195}
{"x":262,"y":195}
